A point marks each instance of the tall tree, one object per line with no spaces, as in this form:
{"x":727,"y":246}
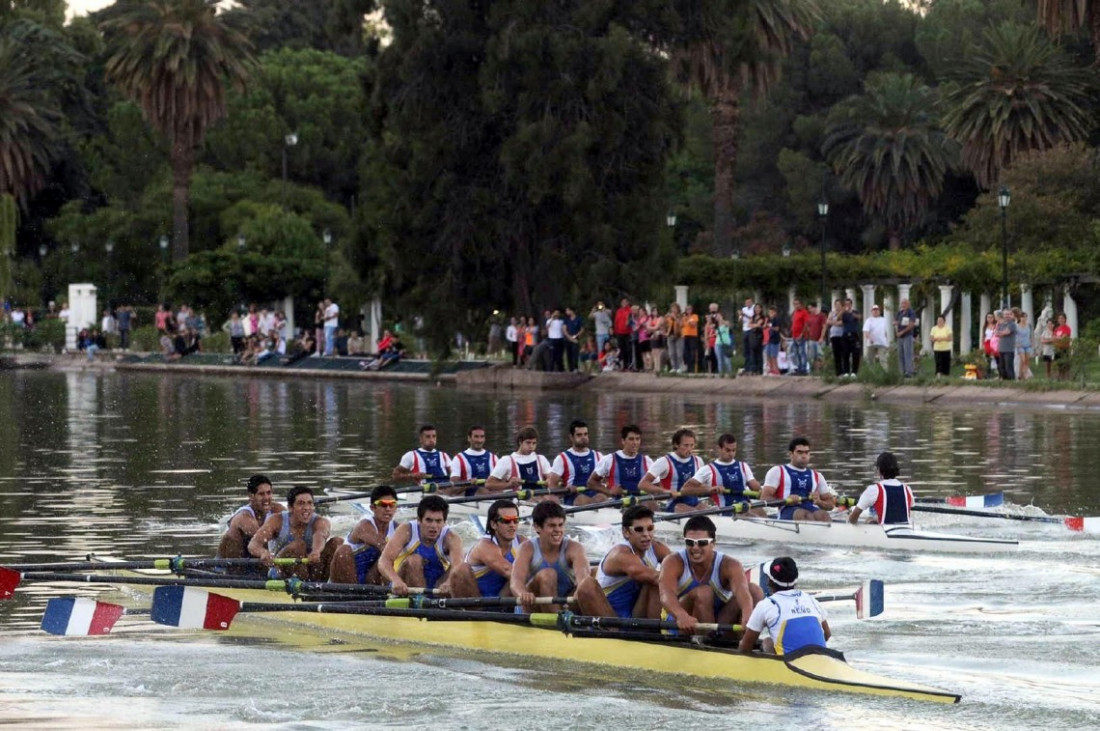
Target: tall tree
{"x":1017,"y":92}
{"x":29,"y":120}
{"x":726,"y":48}
{"x":1070,"y":16}
{"x":176,"y":58}
{"x":886,"y":146}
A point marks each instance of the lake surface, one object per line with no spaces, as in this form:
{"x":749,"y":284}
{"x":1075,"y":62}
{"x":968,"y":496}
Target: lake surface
{"x":146,"y":465}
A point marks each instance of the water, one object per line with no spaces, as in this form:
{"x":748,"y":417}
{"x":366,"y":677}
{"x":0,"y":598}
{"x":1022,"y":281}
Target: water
{"x":144,"y":465}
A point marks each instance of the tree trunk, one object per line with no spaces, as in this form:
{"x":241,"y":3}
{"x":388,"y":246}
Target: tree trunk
{"x":183,"y":165}
{"x":726,"y":118}
{"x":1094,"y":30}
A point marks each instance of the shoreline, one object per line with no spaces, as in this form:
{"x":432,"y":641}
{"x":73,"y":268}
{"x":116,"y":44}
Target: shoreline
{"x":497,"y":377}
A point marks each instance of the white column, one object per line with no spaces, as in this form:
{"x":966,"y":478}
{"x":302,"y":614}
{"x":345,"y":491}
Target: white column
{"x":834,"y":295}
{"x":927,"y":320}
{"x":889,"y":309}
{"x":1027,"y":303}
{"x":850,"y":293}
{"x":903,"y":292}
{"x":372,"y":321}
{"x":965,"y":307}
{"x":868,"y":299}
{"x":288,"y":310}
{"x":1070,"y":308}
{"x":945,"y":302}
{"x":985,"y":303}
{"x":790,"y":298}
{"x":681,"y":296}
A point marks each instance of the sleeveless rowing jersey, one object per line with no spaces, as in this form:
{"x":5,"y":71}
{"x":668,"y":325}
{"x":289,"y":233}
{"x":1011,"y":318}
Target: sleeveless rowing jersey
{"x":489,"y":582}
{"x":567,"y":580}
{"x":574,"y":470}
{"x":433,"y":463}
{"x":729,"y":480}
{"x":530,"y":471}
{"x":891,"y":500}
{"x":472,"y":465}
{"x":366,"y":555}
{"x":622,"y":591}
{"x":674,"y":474}
{"x":434,"y":556}
{"x":284,"y":537}
{"x":627,"y":472}
{"x":793,"y":620}
{"x":688,"y":581}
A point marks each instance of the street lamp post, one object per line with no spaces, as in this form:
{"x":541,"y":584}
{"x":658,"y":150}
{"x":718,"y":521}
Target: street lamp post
{"x":109,"y":247}
{"x":326,"y":236}
{"x":823,"y":214}
{"x":1003,"y":199}
{"x":163,"y":243}
{"x":289,"y":141}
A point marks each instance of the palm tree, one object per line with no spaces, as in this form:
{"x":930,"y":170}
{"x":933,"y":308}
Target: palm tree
{"x":727,"y":47}
{"x":1017,"y":92}
{"x":1069,"y":16}
{"x":29,"y":118}
{"x":886,"y":146}
{"x":175,"y":58}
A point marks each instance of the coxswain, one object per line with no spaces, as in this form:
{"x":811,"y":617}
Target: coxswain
{"x":794,"y":619}
{"x":550,"y":564}
{"x":488,"y":565}
{"x":701,"y":584}
{"x":421,"y":553}
{"x":622,"y":472}
{"x":356,"y":561}
{"x":474,"y":462}
{"x":425,"y":462}
{"x":244,"y":523}
{"x":523,"y":467}
{"x":625,"y":584}
{"x":890,"y":499}
{"x":669,"y":474}
{"x":799,"y":480}
{"x":298,"y":532}
{"x":725,"y":479}
{"x":574,"y":466}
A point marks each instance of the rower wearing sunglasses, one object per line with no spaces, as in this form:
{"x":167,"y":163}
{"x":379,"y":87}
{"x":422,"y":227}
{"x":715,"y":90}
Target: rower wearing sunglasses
{"x":488,"y":565}
{"x":422,"y":553}
{"x":625,"y":584}
{"x":701,"y":584}
{"x":356,"y":561}
{"x":550,"y":564}
{"x":622,"y":472}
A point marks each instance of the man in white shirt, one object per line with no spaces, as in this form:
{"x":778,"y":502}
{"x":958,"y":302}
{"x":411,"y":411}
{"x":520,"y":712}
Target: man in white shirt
{"x":874,"y":336}
{"x":511,"y":334}
{"x":332,"y":321}
{"x":555,"y":333}
{"x":524,"y":466}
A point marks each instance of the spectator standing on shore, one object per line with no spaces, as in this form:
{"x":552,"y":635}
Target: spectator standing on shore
{"x":125,"y":317}
{"x":815,"y":338}
{"x":874,"y":335}
{"x":905,"y":323}
{"x":161,"y":320}
{"x":989,"y":340}
{"x":623,"y":329}
{"x":756,"y":340}
{"x":234,"y":326}
{"x":673,"y":341}
{"x":1006,"y":345}
{"x":746,"y":315}
{"x":852,"y":340}
{"x":574,"y":336}
{"x":835,"y":324}
{"x":723,"y":347}
{"x":511,"y":334}
{"x":689,"y":331}
{"x":1062,"y":344}
{"x":601,"y":318}
{"x":1046,"y":344}
{"x":942,"y":337}
{"x":657,"y":338}
{"x":555,"y":333}
{"x":495,"y":333}
{"x":799,"y":331}
{"x":332,"y":321}
{"x":1023,"y":345}
{"x":107,"y":325}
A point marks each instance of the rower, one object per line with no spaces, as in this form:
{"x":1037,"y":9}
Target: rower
{"x":524,"y":466}
{"x":625,"y":584}
{"x":472,"y":463}
{"x":421,"y":554}
{"x":488,"y":565}
{"x":798,"y":479}
{"x":725,"y":479}
{"x":794,"y":619}
{"x":356,"y":561}
{"x":297,"y":532}
{"x":574,"y":466}
{"x":425,"y":462}
{"x":890,"y":499}
{"x":622,"y":471}
{"x":550,"y":564}
{"x":701,"y":584}
{"x":244,"y":523}
{"x":673,"y":471}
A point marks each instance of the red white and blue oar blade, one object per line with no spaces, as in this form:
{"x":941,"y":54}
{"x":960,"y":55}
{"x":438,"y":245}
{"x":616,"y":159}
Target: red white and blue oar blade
{"x":870,"y":600}
{"x":188,"y":607}
{"x":9,"y":580}
{"x":992,"y":500}
{"x":1077,"y":524}
{"x":80,"y":616}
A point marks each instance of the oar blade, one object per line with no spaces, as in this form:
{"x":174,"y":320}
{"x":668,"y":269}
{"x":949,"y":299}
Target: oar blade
{"x":992,"y":500}
{"x":9,"y":580}
{"x":80,"y":616}
{"x":189,"y":607}
{"x":870,"y":599}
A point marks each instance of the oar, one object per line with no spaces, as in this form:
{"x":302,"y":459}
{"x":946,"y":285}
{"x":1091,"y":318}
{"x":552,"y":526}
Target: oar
{"x":991,"y":500}
{"x":735,"y":508}
{"x":9,"y":580}
{"x":1074,"y":523}
{"x":176,"y":564}
{"x":424,"y":487}
{"x":869,"y":597}
{"x":567,"y":621}
{"x":423,"y":602}
{"x":526,"y":494}
{"x":622,"y":502}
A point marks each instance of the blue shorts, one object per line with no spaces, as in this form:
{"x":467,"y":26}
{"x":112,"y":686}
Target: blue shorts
{"x":787,"y":511}
{"x":771,"y":350}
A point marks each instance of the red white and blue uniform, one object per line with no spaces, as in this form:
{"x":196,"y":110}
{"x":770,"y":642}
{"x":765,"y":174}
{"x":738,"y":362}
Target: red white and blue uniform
{"x":672,"y":473}
{"x":472,"y":464}
{"x":789,"y":482}
{"x":727,"y":481}
{"x":622,"y":591}
{"x":432,"y":462}
{"x":626,"y":472}
{"x":793,"y":620}
{"x":529,"y":468}
{"x":890,"y":500}
{"x":489,"y":582}
{"x":574,"y":470}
